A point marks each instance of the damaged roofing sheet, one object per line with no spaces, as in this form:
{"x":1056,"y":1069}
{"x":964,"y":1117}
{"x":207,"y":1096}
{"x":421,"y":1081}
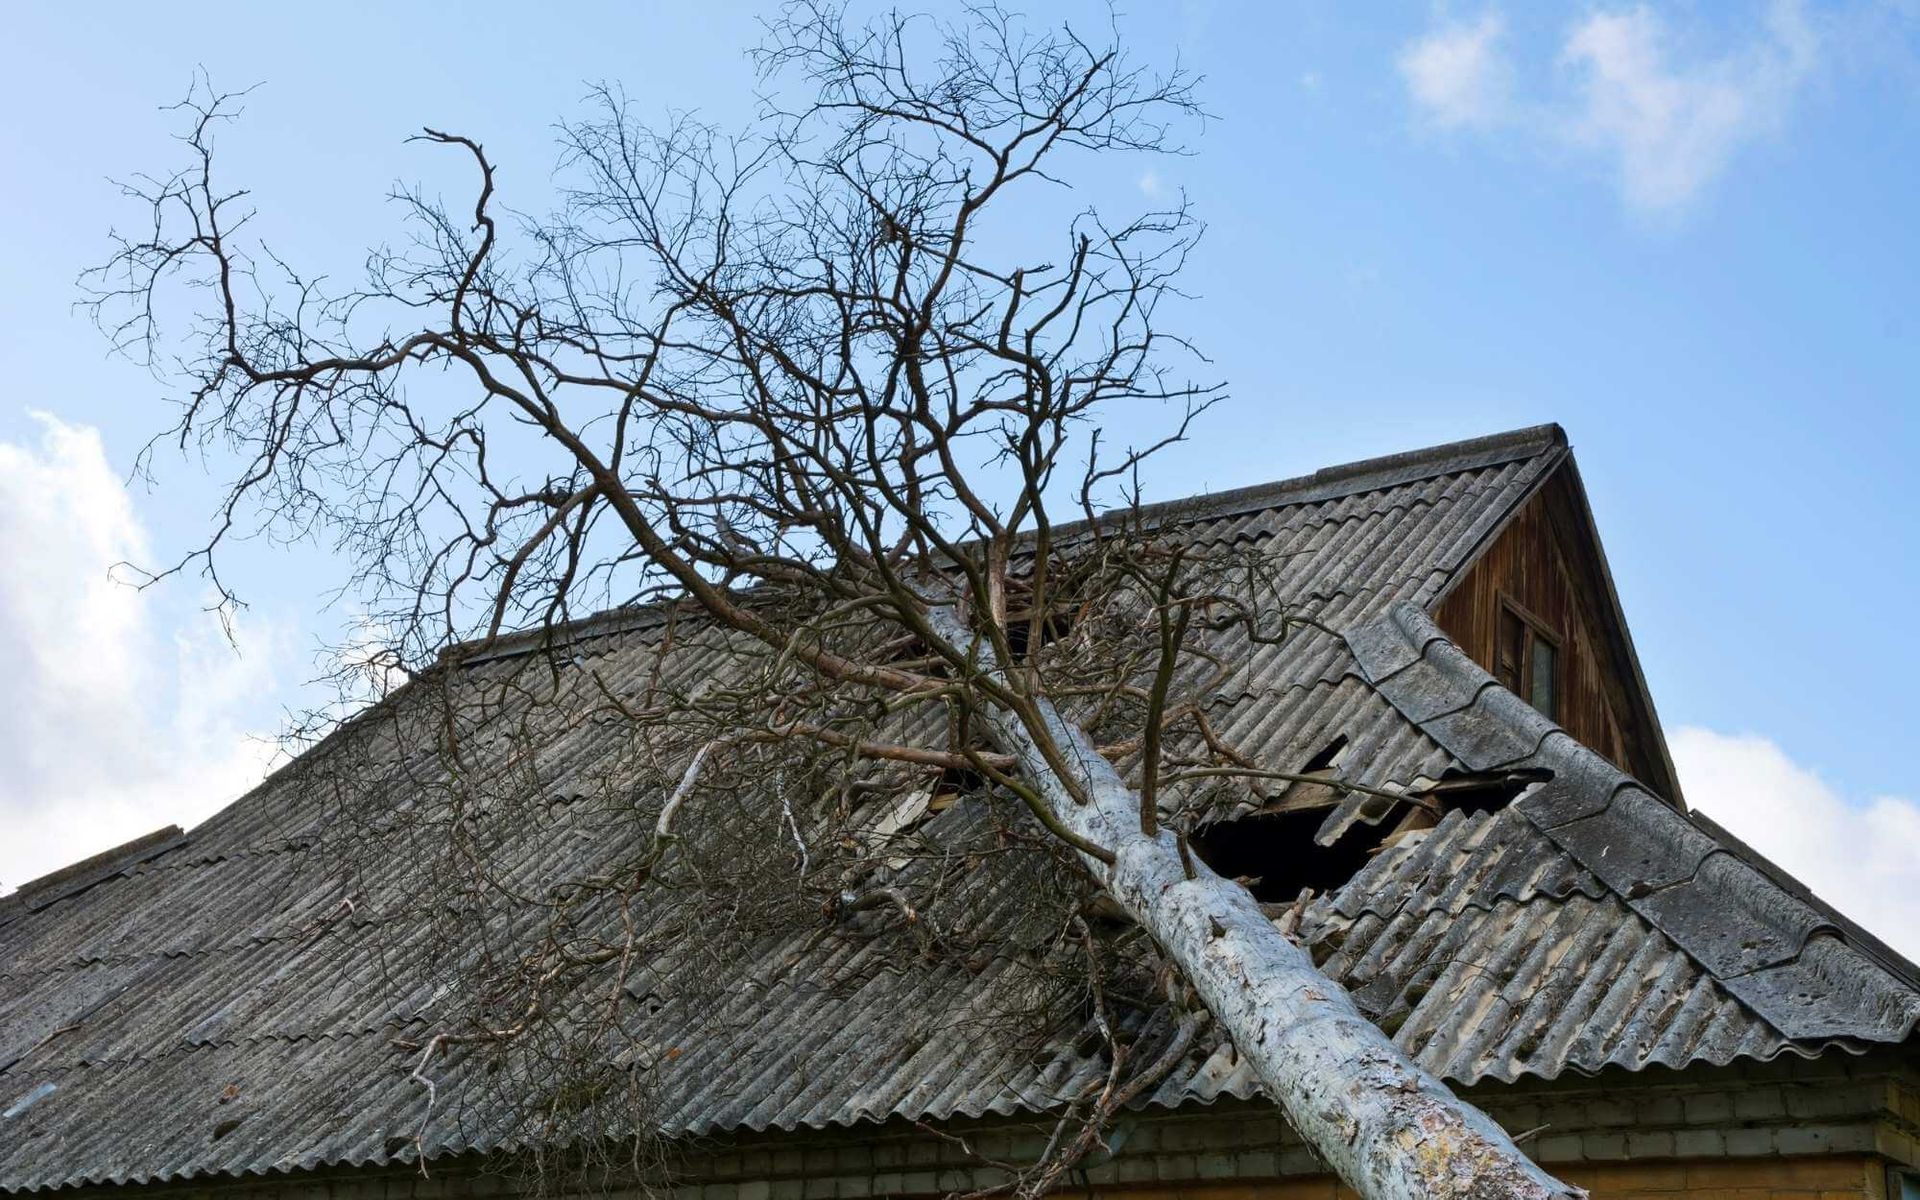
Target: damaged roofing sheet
{"x":243,"y":1001}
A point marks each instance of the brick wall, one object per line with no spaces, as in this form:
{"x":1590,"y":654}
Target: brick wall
{"x":1843,"y":1178}
{"x":1846,"y":1176}
{"x":1769,"y":1113}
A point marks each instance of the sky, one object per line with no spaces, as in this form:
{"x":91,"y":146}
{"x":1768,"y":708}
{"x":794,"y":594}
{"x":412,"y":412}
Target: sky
{"x":1683,"y":231}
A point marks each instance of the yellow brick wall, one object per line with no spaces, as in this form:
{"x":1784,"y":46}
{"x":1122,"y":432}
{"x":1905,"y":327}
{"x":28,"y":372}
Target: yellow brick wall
{"x":1776,"y":1179}
{"x":1840,"y":1178}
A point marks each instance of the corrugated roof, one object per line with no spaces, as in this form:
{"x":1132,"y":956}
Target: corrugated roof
{"x":1768,"y":943}
{"x":252,"y":999}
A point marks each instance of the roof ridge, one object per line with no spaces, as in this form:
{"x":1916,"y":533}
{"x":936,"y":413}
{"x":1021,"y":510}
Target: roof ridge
{"x":84,"y":873}
{"x":1743,"y":927}
{"x":1353,"y":478}
{"x":1894,"y":961}
{"x":1327,"y":483}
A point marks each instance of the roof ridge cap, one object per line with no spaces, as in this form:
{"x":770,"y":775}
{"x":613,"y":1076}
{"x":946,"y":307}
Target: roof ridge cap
{"x":1327,"y":483}
{"x":1455,"y":702}
{"x":1866,"y":941}
{"x":1530,"y":439}
{"x":1352,"y":478}
{"x":77,"y":876}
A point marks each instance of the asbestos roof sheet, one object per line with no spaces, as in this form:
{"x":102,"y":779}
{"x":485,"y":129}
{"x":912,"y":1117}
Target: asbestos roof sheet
{"x":1794,"y":963}
{"x":252,"y":998}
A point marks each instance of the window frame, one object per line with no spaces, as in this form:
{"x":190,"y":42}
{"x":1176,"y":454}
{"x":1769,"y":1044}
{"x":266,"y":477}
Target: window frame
{"x":1534,"y":629}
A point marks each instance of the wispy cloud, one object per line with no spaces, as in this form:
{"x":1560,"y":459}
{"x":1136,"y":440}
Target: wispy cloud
{"x":1458,"y":74}
{"x":1856,"y":855}
{"x":1623,"y":90}
{"x":119,"y":720}
{"x":1671,"y":128}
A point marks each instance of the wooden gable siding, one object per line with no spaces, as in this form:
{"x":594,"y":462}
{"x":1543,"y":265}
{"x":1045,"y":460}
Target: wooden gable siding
{"x":1535,"y":566}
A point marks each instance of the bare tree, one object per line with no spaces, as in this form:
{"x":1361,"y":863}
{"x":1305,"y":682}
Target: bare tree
{"x":821,"y":388}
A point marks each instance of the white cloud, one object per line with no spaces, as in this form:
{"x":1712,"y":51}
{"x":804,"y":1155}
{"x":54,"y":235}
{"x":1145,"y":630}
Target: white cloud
{"x":1626,"y":91}
{"x":1151,"y":185}
{"x":1458,"y":74}
{"x":1858,"y":856}
{"x":1671,"y":129}
{"x":122,"y":716}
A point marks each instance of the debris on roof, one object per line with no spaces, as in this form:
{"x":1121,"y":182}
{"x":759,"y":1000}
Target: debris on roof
{"x":245,"y":1000}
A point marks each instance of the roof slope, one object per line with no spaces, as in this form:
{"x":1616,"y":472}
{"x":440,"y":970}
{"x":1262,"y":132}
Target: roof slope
{"x":232,"y":1004}
{"x":1761,"y":939}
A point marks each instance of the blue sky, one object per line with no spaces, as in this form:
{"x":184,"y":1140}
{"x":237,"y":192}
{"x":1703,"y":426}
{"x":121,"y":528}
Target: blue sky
{"x":1683,"y":231}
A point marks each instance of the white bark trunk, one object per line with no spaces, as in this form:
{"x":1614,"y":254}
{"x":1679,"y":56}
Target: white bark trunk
{"x":1388,"y":1128}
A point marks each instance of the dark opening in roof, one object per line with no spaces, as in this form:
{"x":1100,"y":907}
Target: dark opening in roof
{"x":1275,"y":856}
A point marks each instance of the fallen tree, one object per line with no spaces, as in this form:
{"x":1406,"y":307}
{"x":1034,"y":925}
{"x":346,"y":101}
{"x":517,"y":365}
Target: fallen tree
{"x":829,"y":384}
{"x":1385,"y":1125}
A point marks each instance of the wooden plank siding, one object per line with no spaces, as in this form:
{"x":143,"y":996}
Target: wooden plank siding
{"x":1541,"y":566}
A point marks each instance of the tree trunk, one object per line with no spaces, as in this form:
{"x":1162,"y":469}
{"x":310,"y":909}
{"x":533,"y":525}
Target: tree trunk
{"x":1389,"y":1128}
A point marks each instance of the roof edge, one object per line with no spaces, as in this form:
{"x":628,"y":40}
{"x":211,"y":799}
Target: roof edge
{"x":1870,"y":945}
{"x":1353,"y":478}
{"x":78,"y":876}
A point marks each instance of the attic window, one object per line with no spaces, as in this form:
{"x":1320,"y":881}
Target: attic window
{"x":1526,"y":660}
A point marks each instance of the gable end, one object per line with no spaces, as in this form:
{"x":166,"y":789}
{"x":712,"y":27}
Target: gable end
{"x":1544,"y":572}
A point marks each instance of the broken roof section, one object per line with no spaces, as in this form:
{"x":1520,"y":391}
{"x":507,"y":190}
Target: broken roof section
{"x":244,"y":1003}
{"x":1764,"y":940}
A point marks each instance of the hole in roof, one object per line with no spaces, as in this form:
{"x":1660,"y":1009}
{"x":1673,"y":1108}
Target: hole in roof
{"x":1319,"y":835}
{"x":1327,"y":758}
{"x":1482,"y":793}
{"x":1320,"y":792}
{"x":1021,"y":626}
{"x":953,"y":785}
{"x":903,"y":650}
{"x":1275,"y":856}
{"x":1089,"y":1043}
{"x":1276,"y":850}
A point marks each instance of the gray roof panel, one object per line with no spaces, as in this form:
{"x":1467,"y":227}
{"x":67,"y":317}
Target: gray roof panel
{"x":251,"y":1002}
{"x":1804,"y":974}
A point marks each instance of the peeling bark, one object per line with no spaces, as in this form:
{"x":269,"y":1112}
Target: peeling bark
{"x":1389,"y":1128}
